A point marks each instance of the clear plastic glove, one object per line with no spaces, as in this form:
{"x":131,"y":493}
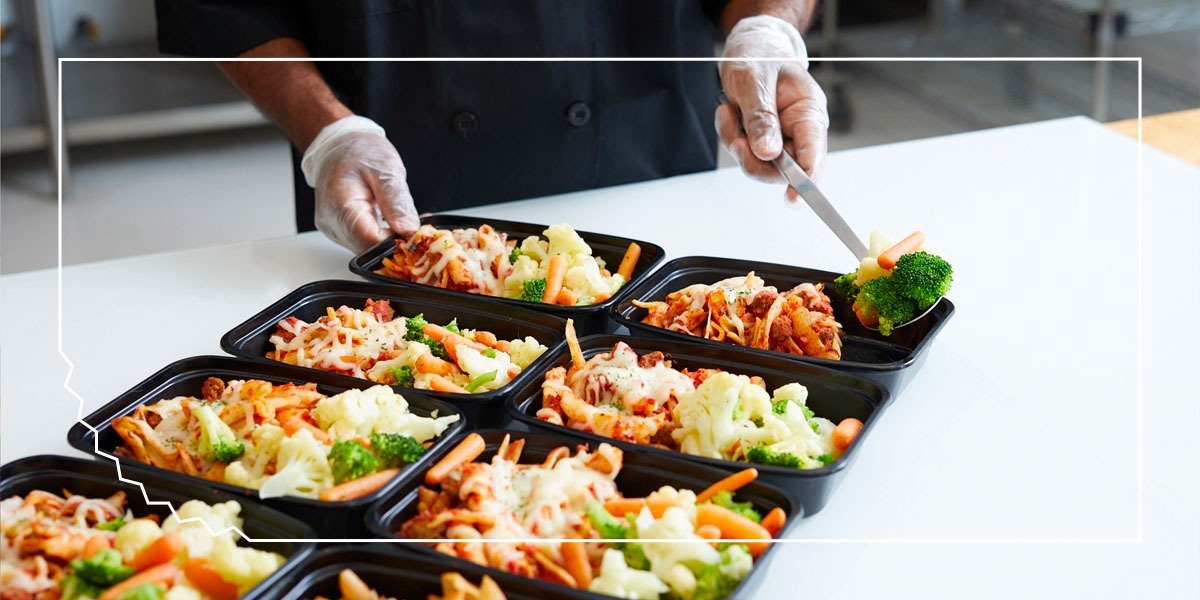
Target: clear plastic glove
{"x":362,"y":192}
{"x":773,"y":105}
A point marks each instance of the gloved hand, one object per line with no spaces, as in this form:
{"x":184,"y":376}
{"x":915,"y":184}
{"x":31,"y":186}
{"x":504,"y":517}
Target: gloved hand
{"x":774,"y":105}
{"x":359,"y":179}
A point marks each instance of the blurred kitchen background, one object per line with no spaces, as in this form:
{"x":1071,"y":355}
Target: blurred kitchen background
{"x":147,"y":141}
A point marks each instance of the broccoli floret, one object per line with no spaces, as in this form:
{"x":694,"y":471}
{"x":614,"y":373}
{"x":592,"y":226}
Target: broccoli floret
{"x":73,"y":587}
{"x":846,"y":285}
{"x":436,"y":348}
{"x":103,"y":569}
{"x":351,"y":460}
{"x":612,"y":528}
{"x":711,"y":583}
{"x":532,"y":290}
{"x":880,"y":298}
{"x":923,"y":277}
{"x":452,"y":326}
{"x":826,"y":459}
{"x":490,"y":353}
{"x":724,"y":498}
{"x":512,"y":256}
{"x":608,"y":526}
{"x":415,"y":328}
{"x":395,"y":450}
{"x":217,"y":441}
{"x":145,"y":591}
{"x":112,"y":525}
{"x":764,"y":455}
{"x":404,"y":376}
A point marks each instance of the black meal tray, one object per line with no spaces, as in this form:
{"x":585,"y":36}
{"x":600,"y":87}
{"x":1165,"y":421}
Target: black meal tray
{"x":396,"y":574}
{"x":56,"y":473}
{"x":588,"y":319}
{"x":832,"y":395}
{"x":640,"y":474}
{"x":251,"y":339}
{"x":185,"y":377}
{"x":890,"y":361}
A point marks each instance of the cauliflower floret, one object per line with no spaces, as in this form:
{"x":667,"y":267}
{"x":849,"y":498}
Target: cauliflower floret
{"x":674,"y":524}
{"x":524,"y":352}
{"x":196,"y":537}
{"x":407,"y":358}
{"x":378,"y":409}
{"x":244,"y":567}
{"x":535,"y":248}
{"x":476,"y":364}
{"x":302,"y":468}
{"x":722,"y":410}
{"x":134,"y":536}
{"x":182,"y":591}
{"x":685,"y":499}
{"x":736,"y":562}
{"x":617,"y":579}
{"x":565,"y":240}
{"x":585,"y":278}
{"x":524,"y":269}
{"x":880,"y":242}
{"x":250,"y":470}
{"x":793,"y":392}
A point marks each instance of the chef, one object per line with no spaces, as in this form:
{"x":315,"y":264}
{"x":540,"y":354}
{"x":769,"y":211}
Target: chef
{"x":376,"y":142}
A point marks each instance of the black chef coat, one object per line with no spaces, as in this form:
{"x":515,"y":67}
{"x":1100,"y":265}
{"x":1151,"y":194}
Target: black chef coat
{"x":474,"y":133}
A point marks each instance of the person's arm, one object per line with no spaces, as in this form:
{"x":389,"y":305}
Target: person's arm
{"x":348,"y":159}
{"x":797,"y":12}
{"x":292,"y":94}
{"x":774,"y":106}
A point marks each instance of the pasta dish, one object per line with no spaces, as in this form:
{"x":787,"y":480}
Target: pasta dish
{"x":373,"y":343}
{"x":591,"y":529}
{"x":73,"y":547}
{"x":282,"y":439}
{"x":558,"y":270}
{"x":705,"y":412}
{"x":746,"y":312}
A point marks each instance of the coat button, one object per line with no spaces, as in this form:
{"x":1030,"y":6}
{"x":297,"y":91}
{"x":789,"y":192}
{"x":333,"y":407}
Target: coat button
{"x":464,"y":124}
{"x":578,"y":114}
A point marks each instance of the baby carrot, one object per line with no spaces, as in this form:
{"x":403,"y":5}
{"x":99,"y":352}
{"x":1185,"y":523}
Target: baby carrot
{"x":94,"y":545}
{"x":576,"y":561}
{"x":733,"y":526}
{"x":161,"y":575}
{"x":162,"y":550}
{"x":466,"y":451}
{"x":205,"y":577}
{"x":774,"y":521}
{"x":428,"y":363}
{"x":438,"y":383}
{"x":732,"y":483}
{"x":909,"y":244}
{"x":566,"y":298}
{"x":556,"y":272}
{"x":708,"y":532}
{"x":629,"y":261}
{"x":357,"y":488}
{"x":294,"y":423}
{"x":619,"y":507}
{"x":845,"y":432}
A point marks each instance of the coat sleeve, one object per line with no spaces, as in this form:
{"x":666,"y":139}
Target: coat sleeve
{"x":714,"y":8}
{"x":225,"y":28}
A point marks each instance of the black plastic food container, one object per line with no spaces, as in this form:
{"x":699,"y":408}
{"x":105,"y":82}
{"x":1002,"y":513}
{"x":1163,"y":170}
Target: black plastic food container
{"x":398,"y":574}
{"x":588,"y":319}
{"x":185,"y":378}
{"x":832,"y":395}
{"x":56,"y":473}
{"x":251,"y":339}
{"x":640,"y":474}
{"x":891,"y":361}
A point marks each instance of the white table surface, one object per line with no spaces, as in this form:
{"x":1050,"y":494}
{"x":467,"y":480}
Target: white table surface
{"x":1022,"y":425}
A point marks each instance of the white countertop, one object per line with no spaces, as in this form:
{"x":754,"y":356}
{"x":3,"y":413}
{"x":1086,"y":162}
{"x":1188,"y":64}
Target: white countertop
{"x":1022,"y":425}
